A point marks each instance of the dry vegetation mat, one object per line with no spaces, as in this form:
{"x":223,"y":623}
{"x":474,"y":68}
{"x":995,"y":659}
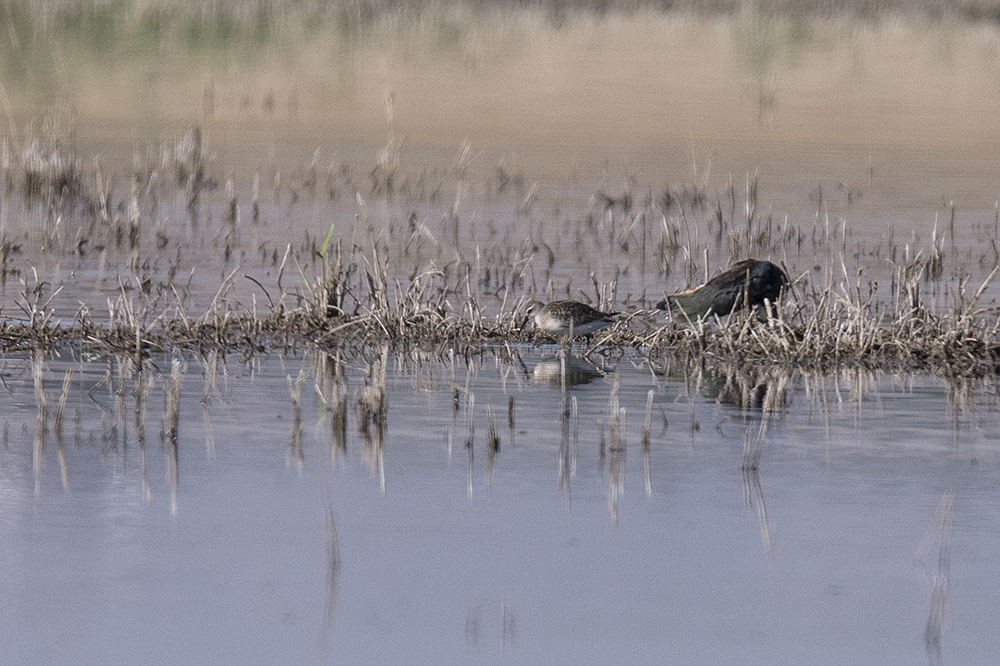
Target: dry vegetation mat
{"x":453,"y":283}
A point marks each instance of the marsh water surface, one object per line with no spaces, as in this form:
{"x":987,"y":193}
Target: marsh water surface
{"x":867,"y":532}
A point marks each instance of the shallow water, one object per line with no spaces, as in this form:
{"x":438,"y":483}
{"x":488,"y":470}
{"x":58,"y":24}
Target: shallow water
{"x":547,"y":550}
{"x":868,"y":533}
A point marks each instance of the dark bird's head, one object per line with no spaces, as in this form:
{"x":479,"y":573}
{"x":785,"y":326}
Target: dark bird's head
{"x":764,"y":280}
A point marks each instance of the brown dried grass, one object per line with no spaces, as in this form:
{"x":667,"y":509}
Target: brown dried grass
{"x":361,"y":300}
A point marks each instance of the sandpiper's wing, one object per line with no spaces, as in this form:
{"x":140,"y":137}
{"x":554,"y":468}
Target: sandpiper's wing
{"x":581,"y":313}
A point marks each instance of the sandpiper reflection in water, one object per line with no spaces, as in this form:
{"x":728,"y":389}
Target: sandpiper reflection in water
{"x":577,"y":371}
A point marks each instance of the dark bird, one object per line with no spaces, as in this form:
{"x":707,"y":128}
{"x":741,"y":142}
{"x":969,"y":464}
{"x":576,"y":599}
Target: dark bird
{"x":559,"y":317}
{"x":748,"y":282}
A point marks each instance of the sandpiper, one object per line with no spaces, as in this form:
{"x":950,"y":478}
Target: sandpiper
{"x":748,"y":282}
{"x":561,"y":317}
